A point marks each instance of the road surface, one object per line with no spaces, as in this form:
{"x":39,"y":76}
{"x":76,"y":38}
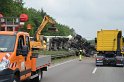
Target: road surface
{"x":83,"y":71}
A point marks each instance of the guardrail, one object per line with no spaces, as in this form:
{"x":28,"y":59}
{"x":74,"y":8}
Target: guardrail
{"x":72,"y":53}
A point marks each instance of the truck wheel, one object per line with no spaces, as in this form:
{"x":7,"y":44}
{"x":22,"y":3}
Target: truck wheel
{"x":97,"y":65}
{"x":16,"y":79}
{"x":39,"y":77}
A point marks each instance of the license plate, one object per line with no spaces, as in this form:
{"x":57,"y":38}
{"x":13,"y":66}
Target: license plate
{"x":99,"y":61}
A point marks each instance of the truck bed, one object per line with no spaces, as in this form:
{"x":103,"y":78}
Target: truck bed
{"x":43,"y":61}
{"x":107,"y":40}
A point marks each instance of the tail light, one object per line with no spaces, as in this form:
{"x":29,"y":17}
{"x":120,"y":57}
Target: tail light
{"x":99,"y":58}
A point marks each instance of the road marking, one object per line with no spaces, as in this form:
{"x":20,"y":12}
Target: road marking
{"x":94,"y":71}
{"x":61,"y":63}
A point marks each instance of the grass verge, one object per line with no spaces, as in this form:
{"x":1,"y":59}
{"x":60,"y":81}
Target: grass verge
{"x":56,"y":61}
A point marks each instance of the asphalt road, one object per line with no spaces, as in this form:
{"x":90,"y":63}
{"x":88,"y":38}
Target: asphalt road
{"x":83,"y":71}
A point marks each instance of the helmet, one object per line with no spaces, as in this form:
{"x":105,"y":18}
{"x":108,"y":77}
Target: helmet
{"x":80,"y":50}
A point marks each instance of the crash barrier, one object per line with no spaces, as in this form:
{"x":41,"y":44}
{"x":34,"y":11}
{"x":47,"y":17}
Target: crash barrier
{"x":68,"y":54}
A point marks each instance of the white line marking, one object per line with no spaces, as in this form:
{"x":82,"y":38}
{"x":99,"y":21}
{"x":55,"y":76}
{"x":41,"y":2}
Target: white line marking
{"x":94,"y":71}
{"x":61,"y":63}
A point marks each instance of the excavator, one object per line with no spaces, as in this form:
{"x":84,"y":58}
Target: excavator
{"x":37,"y":43}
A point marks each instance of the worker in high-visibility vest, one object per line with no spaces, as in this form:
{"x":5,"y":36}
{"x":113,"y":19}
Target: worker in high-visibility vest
{"x":80,"y":55}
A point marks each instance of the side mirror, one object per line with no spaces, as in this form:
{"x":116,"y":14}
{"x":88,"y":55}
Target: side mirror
{"x":123,"y":39}
{"x":24,"y":50}
{"x":95,"y":40}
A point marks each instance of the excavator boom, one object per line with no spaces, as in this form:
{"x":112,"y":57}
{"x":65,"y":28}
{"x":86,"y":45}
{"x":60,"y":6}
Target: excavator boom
{"x":46,"y":20}
{"x":38,"y":44}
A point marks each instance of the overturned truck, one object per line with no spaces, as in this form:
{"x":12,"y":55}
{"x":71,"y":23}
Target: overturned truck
{"x":81,"y":43}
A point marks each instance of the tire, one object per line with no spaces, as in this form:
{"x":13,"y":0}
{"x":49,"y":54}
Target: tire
{"x":97,"y":65}
{"x":39,"y":77}
{"x":16,"y":79}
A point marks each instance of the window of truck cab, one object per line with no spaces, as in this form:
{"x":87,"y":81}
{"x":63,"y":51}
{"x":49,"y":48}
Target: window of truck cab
{"x":28,"y":42}
{"x":7,"y":43}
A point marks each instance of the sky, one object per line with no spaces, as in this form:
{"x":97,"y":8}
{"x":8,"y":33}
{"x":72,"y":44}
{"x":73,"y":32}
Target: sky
{"x":85,"y":16}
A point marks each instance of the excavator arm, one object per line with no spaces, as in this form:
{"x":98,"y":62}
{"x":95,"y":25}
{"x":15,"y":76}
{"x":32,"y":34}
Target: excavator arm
{"x":46,"y":20}
{"x":38,"y":44}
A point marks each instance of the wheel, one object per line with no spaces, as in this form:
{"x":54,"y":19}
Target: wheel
{"x":39,"y":77}
{"x":97,"y":65}
{"x":16,"y":79}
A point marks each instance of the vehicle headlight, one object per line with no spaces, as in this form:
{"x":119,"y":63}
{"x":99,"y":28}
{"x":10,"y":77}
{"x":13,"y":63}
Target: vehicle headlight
{"x":4,"y":64}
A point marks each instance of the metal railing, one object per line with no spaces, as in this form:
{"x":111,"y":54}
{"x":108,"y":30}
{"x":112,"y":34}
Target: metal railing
{"x":72,"y":53}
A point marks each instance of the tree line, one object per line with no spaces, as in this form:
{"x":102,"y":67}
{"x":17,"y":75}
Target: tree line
{"x":11,"y":8}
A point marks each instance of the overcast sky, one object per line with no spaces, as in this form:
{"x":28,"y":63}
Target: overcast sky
{"x":85,"y":16}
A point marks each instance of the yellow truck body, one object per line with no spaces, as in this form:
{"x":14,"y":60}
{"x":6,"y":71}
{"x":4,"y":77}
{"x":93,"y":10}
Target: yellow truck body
{"x":110,"y":48}
{"x":107,"y":40}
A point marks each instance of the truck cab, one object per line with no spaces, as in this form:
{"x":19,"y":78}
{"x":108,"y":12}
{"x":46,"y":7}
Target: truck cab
{"x":17,"y":61}
{"x":15,"y":55}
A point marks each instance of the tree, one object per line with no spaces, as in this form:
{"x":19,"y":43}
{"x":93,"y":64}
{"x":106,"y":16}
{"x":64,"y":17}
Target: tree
{"x":10,"y":8}
{"x":13,"y":8}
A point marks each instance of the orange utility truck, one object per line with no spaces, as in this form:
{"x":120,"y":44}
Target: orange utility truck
{"x":17,"y":60}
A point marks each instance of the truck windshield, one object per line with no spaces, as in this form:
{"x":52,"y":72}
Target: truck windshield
{"x":7,"y":43}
